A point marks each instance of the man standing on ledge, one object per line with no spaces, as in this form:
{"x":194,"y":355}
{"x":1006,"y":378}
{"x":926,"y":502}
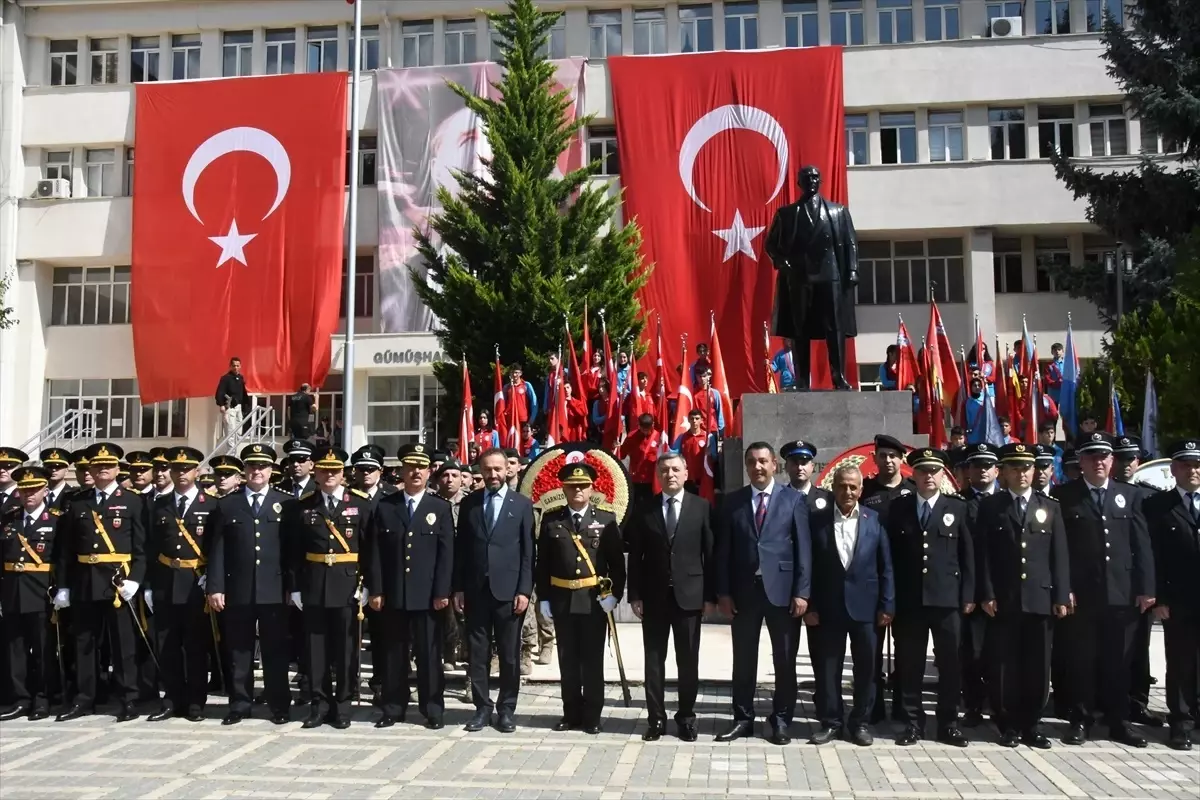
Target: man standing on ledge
{"x":232,"y":398}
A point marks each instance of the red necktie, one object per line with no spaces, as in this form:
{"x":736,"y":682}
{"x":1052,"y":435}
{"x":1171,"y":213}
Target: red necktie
{"x":760,"y":515}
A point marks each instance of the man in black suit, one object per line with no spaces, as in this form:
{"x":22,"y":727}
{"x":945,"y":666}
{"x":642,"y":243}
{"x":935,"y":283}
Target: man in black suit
{"x":670,"y":586}
{"x":1024,"y":578}
{"x":1174,"y":516}
{"x":1112,"y":584}
{"x":763,"y":571}
{"x":410,"y":568}
{"x":493,"y":581}
{"x":245,"y":585}
{"x":934,"y":564}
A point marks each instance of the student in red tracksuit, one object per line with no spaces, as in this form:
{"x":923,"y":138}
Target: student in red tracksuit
{"x":641,"y":448}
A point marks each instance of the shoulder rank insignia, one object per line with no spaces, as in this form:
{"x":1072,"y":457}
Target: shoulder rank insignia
{"x":360,"y":493}
{"x":56,"y":512}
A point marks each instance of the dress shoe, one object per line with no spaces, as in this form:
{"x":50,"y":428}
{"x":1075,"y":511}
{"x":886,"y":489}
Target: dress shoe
{"x":314,"y":720}
{"x":592,"y":728}
{"x":166,"y":712}
{"x":564,"y":724}
{"x":1123,"y":734}
{"x":339,"y":723}
{"x":14,"y":713}
{"x":825,"y":735}
{"x":862,"y":736}
{"x":505,"y":723}
{"x":911,"y":735}
{"x":1144,"y":716}
{"x":1009,"y":738}
{"x":737,"y":731}
{"x":195,"y":714}
{"x":385,"y":721}
{"x":435,"y":724}
{"x":687,"y":733}
{"x":1077,"y":735}
{"x":41,"y":712}
{"x":280,"y":718}
{"x":1035,"y":739}
{"x":233,"y":718}
{"x":780,"y":736}
{"x":972,"y":719}
{"x":74,"y":712}
{"x":1180,"y":740}
{"x":952,"y":736}
{"x":126,"y":713}
{"x":481,"y":720}
{"x":654,"y":732}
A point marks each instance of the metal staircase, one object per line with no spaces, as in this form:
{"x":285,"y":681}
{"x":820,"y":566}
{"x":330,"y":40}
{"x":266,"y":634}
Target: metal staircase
{"x":71,"y":430}
{"x":257,"y":428}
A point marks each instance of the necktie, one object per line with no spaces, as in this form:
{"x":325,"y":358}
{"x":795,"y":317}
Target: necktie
{"x":672,"y":518}
{"x":297,"y":490}
{"x":332,"y":501}
{"x":760,"y":514}
{"x":1194,"y":501}
{"x":411,"y":507}
{"x":1098,"y":498}
{"x":491,"y":509}
{"x":1022,"y":505}
{"x":99,"y":498}
{"x":28,"y":525}
{"x":577,"y":519}
{"x":256,"y":503}
{"x":925,"y":512}
{"x":182,"y":506}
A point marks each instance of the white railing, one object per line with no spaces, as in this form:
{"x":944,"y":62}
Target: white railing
{"x":257,"y":428}
{"x":71,"y":430}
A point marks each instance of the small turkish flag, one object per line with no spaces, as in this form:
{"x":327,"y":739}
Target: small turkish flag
{"x":237,"y":231}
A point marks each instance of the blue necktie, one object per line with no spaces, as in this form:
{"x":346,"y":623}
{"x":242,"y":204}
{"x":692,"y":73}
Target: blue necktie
{"x":411,"y":507}
{"x":1194,"y":500}
{"x":491,"y":509}
{"x":925,"y":513}
{"x":1098,"y":497}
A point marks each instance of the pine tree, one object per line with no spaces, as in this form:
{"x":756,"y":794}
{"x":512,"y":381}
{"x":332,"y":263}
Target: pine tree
{"x":1155,"y":207}
{"x":519,"y":249}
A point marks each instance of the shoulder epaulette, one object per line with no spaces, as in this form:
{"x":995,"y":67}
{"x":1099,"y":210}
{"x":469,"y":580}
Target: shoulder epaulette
{"x":360,"y":493}
{"x":211,"y":492}
{"x":56,"y":512}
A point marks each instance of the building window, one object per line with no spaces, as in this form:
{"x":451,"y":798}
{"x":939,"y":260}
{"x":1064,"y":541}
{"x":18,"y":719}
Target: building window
{"x":104,"y":60}
{"x":857,"y":151}
{"x":604,"y":32}
{"x":494,"y":38}
{"x":100,"y":173}
{"x":602,"y":147}
{"x":416,"y":44}
{"x":281,"y":51}
{"x":121,"y":414}
{"x":1007,"y":271}
{"x":1154,"y":143}
{"x":370,"y":56}
{"x":128,"y":177}
{"x":64,"y":62}
{"x":185,"y":56}
{"x":846,"y":22}
{"x":649,"y":31}
{"x":1109,"y":129}
{"x":143,"y":58}
{"x":899,"y":273}
{"x":898,"y":138}
{"x":460,"y":41}
{"x":941,"y":20}
{"x":895,"y":21}
{"x":1052,"y":253}
{"x":556,"y":43}
{"x":741,"y":25}
{"x":946,"y":136}
{"x":1097,"y":10}
{"x":1010,"y":8}
{"x":367,"y":150}
{"x":56,"y":164}
{"x":322,"y":48}
{"x":90,"y":296}
{"x":1006,"y":128}
{"x":364,"y":287}
{"x":330,"y":408}
{"x":1052,"y":16}
{"x":235,"y":53}
{"x":402,"y":409}
{"x":800,"y":24}
{"x":695,"y":29}
{"x":1056,"y":131}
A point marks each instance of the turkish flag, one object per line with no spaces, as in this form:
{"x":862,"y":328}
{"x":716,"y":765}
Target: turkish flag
{"x":237,"y":231}
{"x":710,"y":147}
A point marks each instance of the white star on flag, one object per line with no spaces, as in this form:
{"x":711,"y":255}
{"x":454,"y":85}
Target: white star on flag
{"x":738,"y":238}
{"x":233,"y":244}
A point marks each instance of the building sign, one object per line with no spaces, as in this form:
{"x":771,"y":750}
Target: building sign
{"x":373,"y":352}
{"x":408,"y":357}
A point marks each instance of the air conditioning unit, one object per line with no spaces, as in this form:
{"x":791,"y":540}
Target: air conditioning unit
{"x":54,"y":189}
{"x":1006,"y":27}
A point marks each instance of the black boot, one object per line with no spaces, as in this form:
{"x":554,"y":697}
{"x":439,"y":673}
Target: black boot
{"x":802,"y":361}
{"x":836,"y":345}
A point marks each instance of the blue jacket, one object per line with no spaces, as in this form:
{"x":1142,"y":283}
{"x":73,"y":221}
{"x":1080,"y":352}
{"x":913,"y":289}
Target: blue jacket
{"x":782,"y":550}
{"x":867,"y":587}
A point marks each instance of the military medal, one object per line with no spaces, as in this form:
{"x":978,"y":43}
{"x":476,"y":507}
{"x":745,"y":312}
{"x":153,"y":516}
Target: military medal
{"x":1120,"y":501}
{"x":1040,"y":515}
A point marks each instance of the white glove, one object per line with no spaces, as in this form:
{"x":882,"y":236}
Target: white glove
{"x":149,"y":595}
{"x":295,"y":598}
{"x":128,"y":589}
{"x":62,"y":598}
{"x":608,"y":603}
{"x":362,"y":596}
{"x":544,"y":607}
{"x":201,"y":582}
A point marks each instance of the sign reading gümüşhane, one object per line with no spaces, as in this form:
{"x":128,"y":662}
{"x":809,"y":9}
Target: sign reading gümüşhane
{"x":410,"y":356}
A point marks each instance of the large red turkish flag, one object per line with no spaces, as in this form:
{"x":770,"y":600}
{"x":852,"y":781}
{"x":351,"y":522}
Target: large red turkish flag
{"x":710,"y":147}
{"x":238,"y":203}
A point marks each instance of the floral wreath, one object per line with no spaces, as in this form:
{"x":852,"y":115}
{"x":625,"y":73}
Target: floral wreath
{"x":610,"y":492}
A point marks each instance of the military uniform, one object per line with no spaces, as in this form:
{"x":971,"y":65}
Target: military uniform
{"x":974,"y":630}
{"x":370,"y":457}
{"x":575,"y":551}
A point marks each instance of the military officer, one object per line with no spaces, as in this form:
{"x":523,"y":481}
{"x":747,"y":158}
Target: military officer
{"x":580,"y":571}
{"x":322,"y":532}
{"x":99,"y":567}
{"x":934,"y":565}
{"x":410,"y":567}
{"x":798,"y":461}
{"x":1024,"y":580}
{"x":141,"y":471}
{"x":1112,"y":584}
{"x":26,"y":542}
{"x":57,"y":463}
{"x":83,"y":477}
{"x":162,"y":471}
{"x":368,"y":478}
{"x":10,"y":459}
{"x":246,"y":585}
{"x":228,"y":473}
{"x":981,"y":464}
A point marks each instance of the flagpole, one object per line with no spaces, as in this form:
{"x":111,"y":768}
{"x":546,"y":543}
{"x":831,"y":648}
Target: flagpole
{"x":352,"y":238}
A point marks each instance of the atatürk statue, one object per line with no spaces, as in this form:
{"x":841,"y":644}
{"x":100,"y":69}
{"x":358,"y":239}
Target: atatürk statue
{"x":813,"y":246}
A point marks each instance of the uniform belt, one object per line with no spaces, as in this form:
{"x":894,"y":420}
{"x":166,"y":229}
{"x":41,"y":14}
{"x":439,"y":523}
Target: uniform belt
{"x":574,"y":583}
{"x":180,"y":563}
{"x":21,"y":566}
{"x":105,"y":558}
{"x":329,"y":559}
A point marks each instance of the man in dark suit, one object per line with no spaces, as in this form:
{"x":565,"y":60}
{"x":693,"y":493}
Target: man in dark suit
{"x":1174,"y":516}
{"x":670,"y":587}
{"x":934,"y":564}
{"x":1024,"y":578}
{"x":763,"y":572}
{"x":493,"y":581}
{"x":853,"y":593}
{"x":982,"y":466}
{"x":245,"y":585}
{"x":1112,"y":584}
{"x":410,"y":567}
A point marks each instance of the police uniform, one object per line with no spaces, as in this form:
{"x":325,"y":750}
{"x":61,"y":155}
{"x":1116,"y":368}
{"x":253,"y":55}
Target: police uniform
{"x":1043,"y":459}
{"x":26,"y":542}
{"x":1112,"y":567}
{"x":934,"y":565}
{"x":410,"y":564}
{"x":974,"y":630}
{"x":820,"y":501}
{"x":580,"y":560}
{"x":102,"y":547}
{"x":370,"y":457}
{"x":1025,"y":573}
{"x":322,"y":539}
{"x":297,"y":450}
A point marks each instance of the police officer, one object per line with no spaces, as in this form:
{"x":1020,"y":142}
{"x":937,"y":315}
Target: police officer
{"x":100,"y":561}
{"x":410,"y":567}
{"x":26,"y":542}
{"x":1112,"y":584}
{"x":580,"y":579}
{"x":368,"y":478}
{"x":1024,"y":579}
{"x":1043,"y":468}
{"x":981,"y":464}
{"x":798,"y":461}
{"x":298,"y":482}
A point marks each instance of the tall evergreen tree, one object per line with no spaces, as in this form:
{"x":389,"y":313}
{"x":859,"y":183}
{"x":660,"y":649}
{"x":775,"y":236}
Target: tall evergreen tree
{"x":519,"y":249}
